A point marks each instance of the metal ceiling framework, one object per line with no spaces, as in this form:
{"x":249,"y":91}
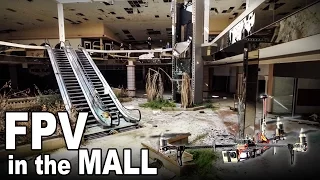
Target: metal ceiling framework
{"x":23,"y":15}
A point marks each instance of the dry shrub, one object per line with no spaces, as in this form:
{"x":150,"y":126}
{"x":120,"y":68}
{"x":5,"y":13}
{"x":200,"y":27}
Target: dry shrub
{"x":120,"y":92}
{"x":59,"y":107}
{"x":154,"y":85}
{"x":51,"y":104}
{"x":186,"y":93}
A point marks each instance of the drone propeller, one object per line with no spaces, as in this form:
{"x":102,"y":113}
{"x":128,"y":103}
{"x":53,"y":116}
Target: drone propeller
{"x":281,"y":119}
{"x":296,"y":134}
{"x":169,"y":135}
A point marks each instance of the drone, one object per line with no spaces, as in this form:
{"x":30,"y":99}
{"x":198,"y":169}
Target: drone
{"x":247,"y":148}
{"x":242,"y":149}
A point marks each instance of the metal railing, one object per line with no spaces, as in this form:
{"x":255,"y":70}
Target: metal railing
{"x":122,"y":109}
{"x":96,"y":99}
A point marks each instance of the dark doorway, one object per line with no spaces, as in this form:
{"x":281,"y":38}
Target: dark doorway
{"x":261,"y":87}
{"x":220,"y":83}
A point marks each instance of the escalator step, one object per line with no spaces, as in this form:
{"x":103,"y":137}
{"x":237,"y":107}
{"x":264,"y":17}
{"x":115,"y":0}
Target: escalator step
{"x":75,"y":97}
{"x":73,"y":87}
{"x":80,"y":104}
{"x":82,"y":108}
{"x":78,"y":100}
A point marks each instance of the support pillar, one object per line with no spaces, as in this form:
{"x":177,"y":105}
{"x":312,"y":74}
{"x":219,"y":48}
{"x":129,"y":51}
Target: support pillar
{"x":62,"y":37}
{"x":131,"y":79}
{"x":206,"y":77}
{"x":173,"y":33}
{"x":197,"y":40}
{"x":251,"y":95}
{"x":13,"y":76}
{"x":294,"y":97}
{"x":206,"y":21}
{"x":270,"y":88}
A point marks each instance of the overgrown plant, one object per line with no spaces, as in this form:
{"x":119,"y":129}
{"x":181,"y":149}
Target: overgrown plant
{"x":158,"y":104}
{"x":58,"y":107}
{"x":154,"y":84}
{"x":204,"y":160}
{"x":186,"y":93}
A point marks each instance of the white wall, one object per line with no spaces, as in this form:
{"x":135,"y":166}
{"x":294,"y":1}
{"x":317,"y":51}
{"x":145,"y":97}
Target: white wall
{"x":74,"y":41}
{"x":264,"y":70}
{"x":283,"y":93}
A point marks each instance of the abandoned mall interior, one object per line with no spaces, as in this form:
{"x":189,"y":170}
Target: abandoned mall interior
{"x":187,"y":52}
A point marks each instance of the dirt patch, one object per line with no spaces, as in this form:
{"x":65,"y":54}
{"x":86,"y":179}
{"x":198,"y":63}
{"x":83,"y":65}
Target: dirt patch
{"x":223,"y":114}
{"x":271,"y":127}
{"x":232,"y":127}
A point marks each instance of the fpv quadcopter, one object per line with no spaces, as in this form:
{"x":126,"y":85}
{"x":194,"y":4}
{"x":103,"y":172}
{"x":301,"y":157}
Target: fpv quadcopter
{"x":247,"y":148}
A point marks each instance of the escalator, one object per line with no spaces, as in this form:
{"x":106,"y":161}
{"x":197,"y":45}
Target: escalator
{"x":77,"y":90}
{"x":76,"y":93}
{"x":104,"y":90}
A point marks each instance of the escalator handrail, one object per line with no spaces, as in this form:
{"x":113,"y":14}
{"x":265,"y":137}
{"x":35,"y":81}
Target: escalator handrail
{"x":80,"y":79}
{"x":94,"y":95}
{"x":111,"y":93}
{"x":61,"y":84}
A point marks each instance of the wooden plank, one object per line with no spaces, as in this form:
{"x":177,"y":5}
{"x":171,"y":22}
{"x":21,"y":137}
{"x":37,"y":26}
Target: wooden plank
{"x":169,"y":162}
{"x":179,"y":139}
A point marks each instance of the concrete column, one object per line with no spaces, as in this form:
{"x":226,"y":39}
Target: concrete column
{"x":206,"y":78}
{"x":61,"y":23}
{"x":206,"y":21}
{"x":131,"y":79}
{"x":270,"y":88}
{"x":173,"y":33}
{"x":251,"y":98}
{"x":250,"y":75}
{"x":13,"y":76}
{"x":197,"y":40}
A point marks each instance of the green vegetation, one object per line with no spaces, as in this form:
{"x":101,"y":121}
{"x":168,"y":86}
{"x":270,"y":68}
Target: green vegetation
{"x":199,"y":137}
{"x":204,"y":160}
{"x":158,"y":104}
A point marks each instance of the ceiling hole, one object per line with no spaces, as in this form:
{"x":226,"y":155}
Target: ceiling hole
{"x":101,"y":10}
{"x":80,"y":14}
{"x":112,"y":13}
{"x":40,"y":20}
{"x":125,"y":31}
{"x":85,"y":19}
{"x":156,"y":16}
{"x":129,"y":10}
{"x":100,"y":18}
{"x":55,"y":17}
{"x":19,"y":23}
{"x":120,"y":18}
{"x":12,"y":10}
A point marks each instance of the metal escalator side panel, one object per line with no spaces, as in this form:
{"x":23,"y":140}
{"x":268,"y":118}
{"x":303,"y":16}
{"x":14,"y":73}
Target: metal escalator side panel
{"x":103,"y":120}
{"x":61,"y":84}
{"x":123,"y":111}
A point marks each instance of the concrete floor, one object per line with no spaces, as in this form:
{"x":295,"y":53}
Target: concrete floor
{"x":214,"y":124}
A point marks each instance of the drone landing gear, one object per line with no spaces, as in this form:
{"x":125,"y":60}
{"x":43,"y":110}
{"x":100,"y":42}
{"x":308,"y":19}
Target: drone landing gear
{"x":290,"y":147}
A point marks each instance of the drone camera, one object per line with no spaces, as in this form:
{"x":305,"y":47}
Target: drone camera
{"x":230,"y":156}
{"x":263,"y":96}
